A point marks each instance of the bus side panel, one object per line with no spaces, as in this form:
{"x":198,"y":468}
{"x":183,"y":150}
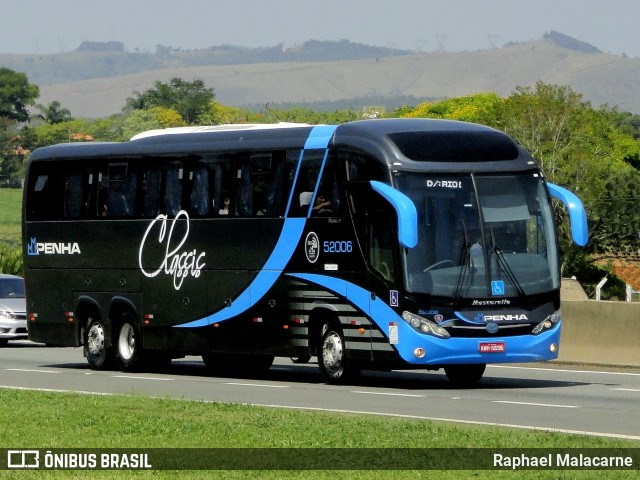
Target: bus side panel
{"x":230,"y":254}
{"x":47,"y":307}
{"x":164,"y":307}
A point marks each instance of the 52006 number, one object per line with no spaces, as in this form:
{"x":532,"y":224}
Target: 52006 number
{"x":331,"y":246}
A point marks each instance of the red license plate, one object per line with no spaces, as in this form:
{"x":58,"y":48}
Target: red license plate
{"x":492,"y":347}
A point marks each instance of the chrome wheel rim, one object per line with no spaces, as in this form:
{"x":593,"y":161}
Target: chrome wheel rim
{"x":332,"y":351}
{"x":95,"y":339}
{"x":126,"y":342}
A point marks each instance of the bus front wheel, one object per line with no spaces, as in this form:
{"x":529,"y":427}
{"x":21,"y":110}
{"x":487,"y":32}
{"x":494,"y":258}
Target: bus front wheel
{"x":334,"y":365}
{"x":99,"y":356}
{"x":465,"y":375}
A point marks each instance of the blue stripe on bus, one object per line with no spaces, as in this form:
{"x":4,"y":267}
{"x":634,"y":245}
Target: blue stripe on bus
{"x":456,"y":350}
{"x":315,"y":191}
{"x":293,"y":185}
{"x":376,"y":308}
{"x":320,"y":136}
{"x":290,"y":236}
{"x":282,"y":253}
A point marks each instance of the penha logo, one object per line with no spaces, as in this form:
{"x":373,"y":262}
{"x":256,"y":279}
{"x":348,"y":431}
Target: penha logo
{"x":52,"y":248}
{"x":312,"y":247}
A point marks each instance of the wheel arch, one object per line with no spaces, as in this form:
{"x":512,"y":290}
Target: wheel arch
{"x":118,"y":308}
{"x":88,"y":308}
{"x":318,"y":318}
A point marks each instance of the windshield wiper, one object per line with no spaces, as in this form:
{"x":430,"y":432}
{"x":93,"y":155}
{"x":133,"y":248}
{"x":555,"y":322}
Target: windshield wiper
{"x":504,"y":266}
{"x":467,"y":264}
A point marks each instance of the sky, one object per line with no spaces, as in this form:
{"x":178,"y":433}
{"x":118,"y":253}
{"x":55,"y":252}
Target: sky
{"x":54,"y":26}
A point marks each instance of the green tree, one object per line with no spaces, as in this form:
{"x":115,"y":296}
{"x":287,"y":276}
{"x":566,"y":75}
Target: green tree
{"x":543,"y":119}
{"x":189,"y":99}
{"x":12,"y":153}
{"x":16,"y":94}
{"x":478,"y":108}
{"x":139,"y":121}
{"x":585,"y":150}
{"x":54,"y":112}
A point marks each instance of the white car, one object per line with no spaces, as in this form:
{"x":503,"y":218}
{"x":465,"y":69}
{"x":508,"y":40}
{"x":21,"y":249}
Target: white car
{"x":13,"y":309}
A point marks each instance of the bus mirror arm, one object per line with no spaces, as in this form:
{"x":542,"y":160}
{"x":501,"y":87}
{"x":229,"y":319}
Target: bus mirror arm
{"x":577,"y":215}
{"x":406,"y":210}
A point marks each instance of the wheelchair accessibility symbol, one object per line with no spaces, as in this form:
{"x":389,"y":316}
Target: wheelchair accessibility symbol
{"x":497,"y":287}
{"x":394,"y":298}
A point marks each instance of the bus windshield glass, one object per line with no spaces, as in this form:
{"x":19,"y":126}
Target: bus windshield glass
{"x":480,"y":236}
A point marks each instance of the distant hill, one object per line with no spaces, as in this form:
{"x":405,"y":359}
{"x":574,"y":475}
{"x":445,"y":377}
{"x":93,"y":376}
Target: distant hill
{"x":92,"y":60}
{"x":96,"y":83}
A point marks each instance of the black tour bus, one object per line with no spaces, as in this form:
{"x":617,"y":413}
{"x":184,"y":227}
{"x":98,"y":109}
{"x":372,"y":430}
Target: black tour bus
{"x":376,"y":244}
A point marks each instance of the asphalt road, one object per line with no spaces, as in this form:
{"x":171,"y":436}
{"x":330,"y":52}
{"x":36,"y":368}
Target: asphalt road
{"x":559,"y":398}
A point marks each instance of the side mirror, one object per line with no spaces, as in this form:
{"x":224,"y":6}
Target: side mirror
{"x":577,"y":215}
{"x":406,"y":210}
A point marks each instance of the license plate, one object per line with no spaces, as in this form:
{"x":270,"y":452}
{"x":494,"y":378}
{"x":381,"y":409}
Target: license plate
{"x":492,"y":347}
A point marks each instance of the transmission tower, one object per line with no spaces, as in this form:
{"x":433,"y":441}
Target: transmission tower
{"x":440,"y":39}
{"x":493,"y":40}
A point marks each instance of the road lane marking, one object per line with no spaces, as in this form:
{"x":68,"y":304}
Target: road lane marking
{"x":132,"y":377}
{"x":255,"y":385}
{"x":29,"y":370}
{"x":626,"y":389}
{"x":360,"y":392}
{"x":535,"y":404}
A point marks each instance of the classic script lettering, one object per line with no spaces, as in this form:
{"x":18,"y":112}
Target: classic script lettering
{"x":176,"y":262}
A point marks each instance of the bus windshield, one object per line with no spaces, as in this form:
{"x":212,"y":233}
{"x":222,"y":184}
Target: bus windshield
{"x":480,"y":236}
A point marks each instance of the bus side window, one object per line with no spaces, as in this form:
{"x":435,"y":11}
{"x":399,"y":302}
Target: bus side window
{"x":362,"y":167}
{"x":328,"y":200}
{"x":223,"y":186}
{"x":200,"y":196}
{"x":173,"y":189}
{"x":244,"y":191}
{"x":211,"y":186}
{"x":306,"y":183}
{"x":273,"y":192}
{"x":45,"y":194}
{"x":375,"y":216}
{"x":77,"y":192}
{"x":116,"y":190}
{"x":151,"y":191}
{"x":266,"y":170}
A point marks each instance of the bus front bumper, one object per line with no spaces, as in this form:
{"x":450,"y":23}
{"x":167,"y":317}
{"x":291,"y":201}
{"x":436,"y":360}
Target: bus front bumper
{"x":428,"y":350}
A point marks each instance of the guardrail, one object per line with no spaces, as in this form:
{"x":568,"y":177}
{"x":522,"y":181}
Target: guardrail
{"x":600,"y":333}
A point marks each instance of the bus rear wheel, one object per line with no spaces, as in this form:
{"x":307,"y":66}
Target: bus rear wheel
{"x":127,"y":344}
{"x":465,"y":375}
{"x":334,"y":365}
{"x":99,"y":356}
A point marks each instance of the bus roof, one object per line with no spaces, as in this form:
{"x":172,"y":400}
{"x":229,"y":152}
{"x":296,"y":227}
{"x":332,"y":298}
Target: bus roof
{"x":404,"y":143}
{"x":217,"y":128}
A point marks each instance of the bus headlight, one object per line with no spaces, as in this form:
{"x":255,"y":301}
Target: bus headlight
{"x":547,"y":324}
{"x":423,"y":325}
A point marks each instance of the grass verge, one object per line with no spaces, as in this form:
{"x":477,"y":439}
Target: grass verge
{"x":58,"y":420}
{"x":10,"y":213}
